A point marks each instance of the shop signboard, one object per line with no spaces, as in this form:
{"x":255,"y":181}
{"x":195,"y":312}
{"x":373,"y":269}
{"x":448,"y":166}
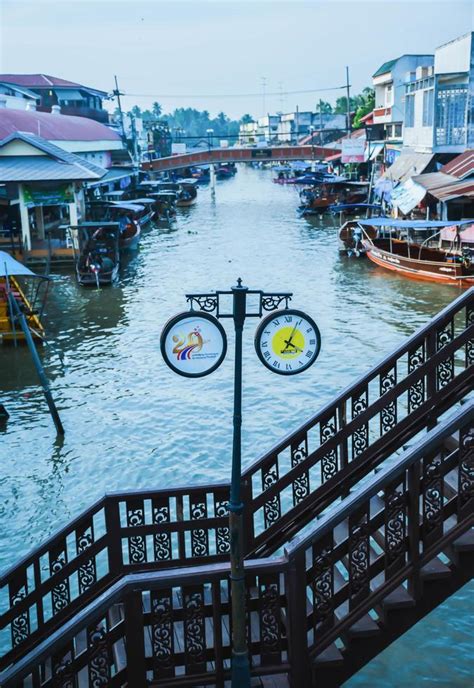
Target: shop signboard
{"x":353,"y":150}
{"x":59,"y":195}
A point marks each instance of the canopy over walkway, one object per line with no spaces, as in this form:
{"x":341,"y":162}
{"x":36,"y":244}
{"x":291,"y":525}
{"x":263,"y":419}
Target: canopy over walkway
{"x":223,"y":155}
{"x":358,"y":524}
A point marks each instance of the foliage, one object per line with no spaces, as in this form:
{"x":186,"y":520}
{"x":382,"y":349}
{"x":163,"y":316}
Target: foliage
{"x":366,"y":105}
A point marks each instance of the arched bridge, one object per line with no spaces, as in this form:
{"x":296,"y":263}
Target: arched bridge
{"x":220,"y":155}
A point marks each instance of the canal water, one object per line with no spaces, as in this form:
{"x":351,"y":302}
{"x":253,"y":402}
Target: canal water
{"x":131,"y":423}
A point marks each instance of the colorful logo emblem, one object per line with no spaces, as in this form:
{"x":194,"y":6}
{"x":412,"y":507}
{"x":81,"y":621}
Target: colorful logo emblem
{"x":185,"y":345}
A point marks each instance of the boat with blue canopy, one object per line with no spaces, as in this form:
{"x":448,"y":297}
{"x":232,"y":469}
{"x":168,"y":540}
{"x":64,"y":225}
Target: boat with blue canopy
{"x":439,"y":251}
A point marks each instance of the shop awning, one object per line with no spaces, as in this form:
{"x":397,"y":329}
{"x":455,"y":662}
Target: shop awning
{"x":114,"y":174}
{"x":408,"y":165}
{"x":445,"y":187}
{"x":407,"y":196}
{"x":10,"y":266}
{"x":68,"y":94}
{"x":451,"y":233}
{"x":375,"y":150}
{"x":462,"y":166}
{"x":333,"y":158}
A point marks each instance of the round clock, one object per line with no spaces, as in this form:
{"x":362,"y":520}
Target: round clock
{"x":288,"y":342}
{"x":193,"y":344}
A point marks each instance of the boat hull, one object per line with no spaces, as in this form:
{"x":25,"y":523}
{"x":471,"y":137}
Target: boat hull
{"x":432,"y":271}
{"x":8,"y":333}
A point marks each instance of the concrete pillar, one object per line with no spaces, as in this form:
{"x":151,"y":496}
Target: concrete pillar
{"x":79,"y":199}
{"x":39,"y":217}
{"x":25,"y":221}
{"x":73,"y":215}
{"x":213,"y":180}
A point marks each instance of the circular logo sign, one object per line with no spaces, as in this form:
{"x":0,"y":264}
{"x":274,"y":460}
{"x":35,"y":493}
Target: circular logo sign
{"x":193,"y":344}
{"x":288,"y":342}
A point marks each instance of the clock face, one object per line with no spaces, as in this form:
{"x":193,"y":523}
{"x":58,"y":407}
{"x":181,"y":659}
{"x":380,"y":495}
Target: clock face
{"x":193,"y":344}
{"x":288,"y":342}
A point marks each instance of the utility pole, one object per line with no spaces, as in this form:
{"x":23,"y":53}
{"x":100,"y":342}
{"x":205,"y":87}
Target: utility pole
{"x":349,"y":125}
{"x":320,"y":122}
{"x":117,"y":94}
{"x":264,"y":86}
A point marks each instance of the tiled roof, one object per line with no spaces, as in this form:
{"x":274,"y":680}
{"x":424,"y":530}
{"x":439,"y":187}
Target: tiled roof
{"x":41,"y":81}
{"x":58,"y":164}
{"x":386,"y":67}
{"x":54,"y":127}
{"x":462,"y":166}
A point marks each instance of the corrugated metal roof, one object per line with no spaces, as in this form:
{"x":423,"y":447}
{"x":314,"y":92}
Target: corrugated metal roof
{"x":407,"y":165}
{"x":68,"y":94}
{"x":433,"y":180}
{"x":54,"y":127}
{"x":462,"y":166}
{"x":40,"y":168}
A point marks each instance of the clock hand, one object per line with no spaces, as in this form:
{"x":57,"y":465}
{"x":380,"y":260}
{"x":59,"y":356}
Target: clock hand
{"x":288,"y":341}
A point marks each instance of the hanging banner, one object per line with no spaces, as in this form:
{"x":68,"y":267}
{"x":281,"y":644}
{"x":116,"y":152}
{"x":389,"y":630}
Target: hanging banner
{"x":353,"y":150}
{"x":38,"y":197}
{"x":407,"y":196}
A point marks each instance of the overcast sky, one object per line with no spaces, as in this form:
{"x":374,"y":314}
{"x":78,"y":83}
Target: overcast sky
{"x":221,"y":47}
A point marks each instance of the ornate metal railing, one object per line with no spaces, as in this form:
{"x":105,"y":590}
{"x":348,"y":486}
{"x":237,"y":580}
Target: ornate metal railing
{"x":283,"y":491}
{"x":379,"y":548}
{"x":171,"y":628}
{"x":325,"y":457}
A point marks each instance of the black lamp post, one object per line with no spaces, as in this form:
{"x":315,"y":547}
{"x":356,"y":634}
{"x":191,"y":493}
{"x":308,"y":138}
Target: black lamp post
{"x":311,"y":131}
{"x":209,"y":133}
{"x":210,"y":303}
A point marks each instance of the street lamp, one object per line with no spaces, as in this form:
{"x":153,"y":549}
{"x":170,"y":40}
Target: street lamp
{"x":209,"y":133}
{"x":194,"y":344}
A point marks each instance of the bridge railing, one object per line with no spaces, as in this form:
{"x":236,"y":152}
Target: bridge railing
{"x":311,"y":469}
{"x":171,"y":628}
{"x":326,"y":456}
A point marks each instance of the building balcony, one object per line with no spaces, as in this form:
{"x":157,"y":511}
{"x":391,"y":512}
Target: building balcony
{"x":382,"y":115}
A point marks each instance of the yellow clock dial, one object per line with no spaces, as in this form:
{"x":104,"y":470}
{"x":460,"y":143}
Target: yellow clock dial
{"x":288,"y":342}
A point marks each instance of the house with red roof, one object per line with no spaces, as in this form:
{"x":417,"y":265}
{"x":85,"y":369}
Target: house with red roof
{"x":84,"y":137}
{"x":73,"y":98}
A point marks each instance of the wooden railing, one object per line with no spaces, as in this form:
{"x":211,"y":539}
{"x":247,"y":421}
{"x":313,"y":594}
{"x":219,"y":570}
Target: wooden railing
{"x":379,"y":545}
{"x":297,"y":480}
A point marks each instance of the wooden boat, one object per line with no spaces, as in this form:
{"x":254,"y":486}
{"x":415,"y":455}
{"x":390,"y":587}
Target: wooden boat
{"x":99,"y":255}
{"x":165,"y":205}
{"x":225,"y":170}
{"x":320,"y":197}
{"x":185,"y":190}
{"x":11,"y":274}
{"x":415,"y":248}
{"x":127,"y":215}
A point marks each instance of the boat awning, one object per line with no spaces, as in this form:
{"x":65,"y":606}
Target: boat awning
{"x":68,"y":94}
{"x":407,"y":165}
{"x":415,"y":224}
{"x":451,"y":233}
{"x":9,"y":266}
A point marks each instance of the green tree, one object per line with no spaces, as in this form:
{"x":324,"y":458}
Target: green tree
{"x":366,"y":105}
{"x":156,"y":109}
{"x":246,"y":119}
{"x":135,"y":111}
{"x":324,"y":107}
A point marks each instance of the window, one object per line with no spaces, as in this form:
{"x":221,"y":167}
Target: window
{"x":428,"y":108}
{"x":388,"y":96}
{"x":397,"y":131}
{"x":410,"y":111}
{"x":451,"y":116}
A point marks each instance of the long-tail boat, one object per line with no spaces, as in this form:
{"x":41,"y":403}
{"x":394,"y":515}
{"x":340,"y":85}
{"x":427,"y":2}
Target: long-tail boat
{"x":426,"y":250}
{"x":99,"y":256}
{"x":12,"y":275}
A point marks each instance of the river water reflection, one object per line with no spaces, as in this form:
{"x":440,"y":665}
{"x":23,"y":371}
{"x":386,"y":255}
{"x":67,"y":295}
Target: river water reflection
{"x":131,"y":423}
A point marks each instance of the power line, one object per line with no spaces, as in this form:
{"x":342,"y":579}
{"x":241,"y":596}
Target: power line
{"x":232,"y":95}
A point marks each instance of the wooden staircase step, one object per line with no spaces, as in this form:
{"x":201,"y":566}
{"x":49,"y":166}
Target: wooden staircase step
{"x":465,"y":543}
{"x":398,"y":599}
{"x":435,"y":570}
{"x":451,"y":443}
{"x":330,"y":657}
{"x":364,"y":628}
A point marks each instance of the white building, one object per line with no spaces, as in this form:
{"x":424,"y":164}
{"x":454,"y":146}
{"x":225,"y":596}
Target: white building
{"x":437,"y":118}
{"x":389,"y":85}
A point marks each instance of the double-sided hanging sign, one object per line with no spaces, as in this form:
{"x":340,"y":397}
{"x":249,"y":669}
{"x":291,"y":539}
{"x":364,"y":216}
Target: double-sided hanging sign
{"x":193,"y":344}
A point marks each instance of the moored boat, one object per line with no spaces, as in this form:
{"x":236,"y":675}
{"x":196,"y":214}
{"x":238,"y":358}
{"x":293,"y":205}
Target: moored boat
{"x":99,"y":256}
{"x":419,"y":249}
{"x":11,"y":274}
